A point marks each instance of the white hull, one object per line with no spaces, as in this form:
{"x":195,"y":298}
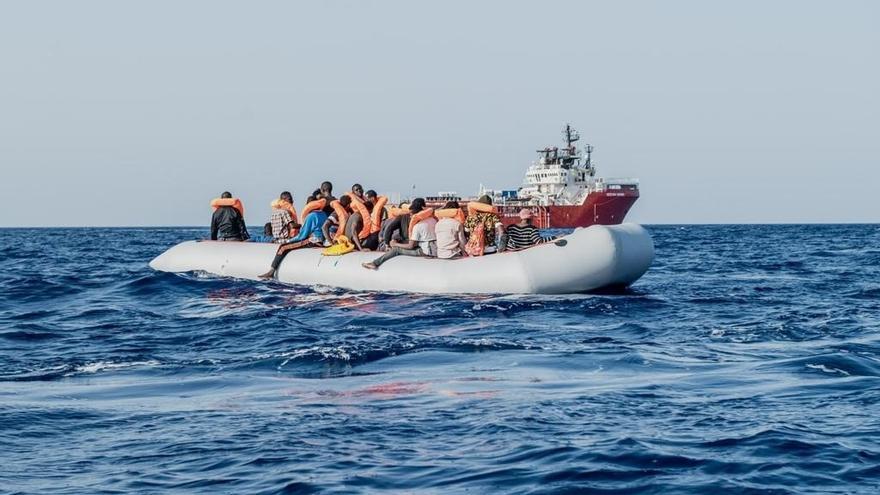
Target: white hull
{"x":596,"y":257}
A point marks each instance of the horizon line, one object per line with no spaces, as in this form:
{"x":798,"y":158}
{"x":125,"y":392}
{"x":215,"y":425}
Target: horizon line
{"x":260,"y":226}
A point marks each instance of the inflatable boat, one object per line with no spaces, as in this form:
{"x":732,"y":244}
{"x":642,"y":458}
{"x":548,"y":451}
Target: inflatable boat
{"x":588,"y":259}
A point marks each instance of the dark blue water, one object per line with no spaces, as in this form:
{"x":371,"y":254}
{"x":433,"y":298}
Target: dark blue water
{"x":747,"y":359}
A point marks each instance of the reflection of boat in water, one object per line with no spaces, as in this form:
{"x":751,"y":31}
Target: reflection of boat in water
{"x":562,"y":190}
{"x":585,"y":260}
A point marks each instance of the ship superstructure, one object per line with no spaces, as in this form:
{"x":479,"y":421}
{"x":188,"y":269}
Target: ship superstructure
{"x":562,"y":190}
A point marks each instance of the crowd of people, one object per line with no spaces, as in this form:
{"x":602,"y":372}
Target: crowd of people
{"x":362,"y":220}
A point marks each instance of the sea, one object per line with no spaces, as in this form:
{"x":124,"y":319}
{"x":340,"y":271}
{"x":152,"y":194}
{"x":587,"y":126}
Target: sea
{"x":745,"y":361}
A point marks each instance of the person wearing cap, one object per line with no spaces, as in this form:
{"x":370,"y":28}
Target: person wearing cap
{"x":523,"y":234}
{"x":422,"y":243}
{"x":492,"y":227}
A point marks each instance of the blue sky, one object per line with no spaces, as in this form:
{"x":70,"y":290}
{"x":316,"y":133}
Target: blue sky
{"x":138,"y":113}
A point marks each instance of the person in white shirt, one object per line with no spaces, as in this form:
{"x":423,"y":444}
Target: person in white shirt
{"x":423,"y":241}
{"x":450,"y":235}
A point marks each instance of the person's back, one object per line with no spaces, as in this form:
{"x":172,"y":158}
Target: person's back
{"x":353,"y":225}
{"x":227,"y":222}
{"x":488,"y":221}
{"x":424,"y":234}
{"x":523,"y":235}
{"x":283,"y":218}
{"x":450,"y":234}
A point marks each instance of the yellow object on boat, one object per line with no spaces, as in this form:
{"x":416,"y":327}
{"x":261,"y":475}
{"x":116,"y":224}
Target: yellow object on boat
{"x":342,"y":246}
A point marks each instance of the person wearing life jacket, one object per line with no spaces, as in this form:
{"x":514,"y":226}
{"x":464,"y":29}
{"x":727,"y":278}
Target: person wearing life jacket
{"x":326,"y":191}
{"x":420,"y":239}
{"x":283,"y":219}
{"x":335,"y":222}
{"x":310,"y":234}
{"x":227,"y":222}
{"x":449,"y":230}
{"x":481,"y":214}
{"x":378,"y":214}
{"x":391,"y":213}
{"x":358,"y":190}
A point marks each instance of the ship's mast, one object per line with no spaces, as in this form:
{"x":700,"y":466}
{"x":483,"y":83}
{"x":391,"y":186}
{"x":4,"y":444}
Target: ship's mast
{"x":571,"y":136}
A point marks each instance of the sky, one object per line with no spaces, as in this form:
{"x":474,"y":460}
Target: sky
{"x":138,"y":113}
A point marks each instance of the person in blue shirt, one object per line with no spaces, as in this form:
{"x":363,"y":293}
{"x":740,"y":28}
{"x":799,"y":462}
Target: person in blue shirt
{"x":309,"y":235}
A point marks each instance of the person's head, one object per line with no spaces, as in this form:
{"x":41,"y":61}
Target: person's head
{"x":417,"y":205}
{"x":485,"y":199}
{"x":226,"y":195}
{"x":358,"y":189}
{"x":326,"y":187}
{"x":525,"y":215}
{"x":451,"y":205}
{"x":267,"y":229}
{"x":286,"y":196}
{"x":345,"y":201}
{"x":371,"y":195}
{"x":316,"y":193}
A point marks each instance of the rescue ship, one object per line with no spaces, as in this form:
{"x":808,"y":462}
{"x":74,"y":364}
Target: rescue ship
{"x":562,"y":190}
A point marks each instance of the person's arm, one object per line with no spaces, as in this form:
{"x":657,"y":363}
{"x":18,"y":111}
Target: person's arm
{"x":462,"y":240}
{"x":325,"y":229}
{"x":292,"y":224}
{"x":389,"y":232}
{"x":357,"y":228}
{"x":214,"y":226}
{"x":243,"y":228}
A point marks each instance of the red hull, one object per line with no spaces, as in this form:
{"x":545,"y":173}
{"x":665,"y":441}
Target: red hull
{"x":603,"y":208}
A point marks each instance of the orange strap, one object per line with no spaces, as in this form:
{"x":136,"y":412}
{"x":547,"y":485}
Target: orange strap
{"x":394,"y":211}
{"x":376,"y":218}
{"x":280,"y":204}
{"x":341,"y":215}
{"x":359,"y":207}
{"x":418,"y":217}
{"x":477,"y":207}
{"x":456,"y":213}
{"x":233,"y":202}
{"x":311,"y":206}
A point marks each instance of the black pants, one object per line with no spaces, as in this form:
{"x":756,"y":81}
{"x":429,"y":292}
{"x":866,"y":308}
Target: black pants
{"x":286,"y":248}
{"x":371,"y":242}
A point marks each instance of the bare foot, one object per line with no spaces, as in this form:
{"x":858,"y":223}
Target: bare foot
{"x":369,"y":266}
{"x":267,"y":275}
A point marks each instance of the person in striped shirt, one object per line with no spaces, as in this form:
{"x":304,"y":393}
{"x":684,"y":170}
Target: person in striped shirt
{"x":523,"y":235}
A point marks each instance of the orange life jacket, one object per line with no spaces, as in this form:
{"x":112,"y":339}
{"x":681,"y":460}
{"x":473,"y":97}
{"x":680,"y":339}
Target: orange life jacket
{"x":394,"y":211}
{"x":233,"y":202}
{"x":376,"y":218}
{"x":280,"y":204}
{"x":418,"y":217}
{"x":456,"y":213}
{"x":477,"y":207}
{"x":311,"y":206}
{"x":341,"y":215}
{"x":358,"y":206}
